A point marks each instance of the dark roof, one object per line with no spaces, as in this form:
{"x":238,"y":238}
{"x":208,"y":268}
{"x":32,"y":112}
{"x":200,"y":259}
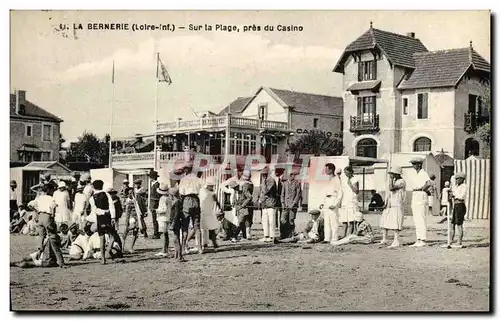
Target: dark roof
{"x":444,"y":160}
{"x":236,"y":106}
{"x":364,"y":85}
{"x":309,"y":103}
{"x":31,"y":110}
{"x":399,"y":49}
{"x":443,"y":68}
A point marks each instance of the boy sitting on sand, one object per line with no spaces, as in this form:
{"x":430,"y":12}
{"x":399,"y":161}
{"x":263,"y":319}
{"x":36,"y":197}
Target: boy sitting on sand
{"x":314,"y":231}
{"x":364,"y":235}
{"x":227,"y":231}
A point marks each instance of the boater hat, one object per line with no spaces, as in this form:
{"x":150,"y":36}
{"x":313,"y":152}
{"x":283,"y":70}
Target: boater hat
{"x":395,"y":169}
{"x":138,"y":181}
{"x":417,"y":160}
{"x":61,"y":184}
{"x":459,"y":175}
{"x":162,"y":189}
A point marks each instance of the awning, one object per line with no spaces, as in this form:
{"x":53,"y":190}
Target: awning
{"x":373,"y":85}
{"x":29,"y":148}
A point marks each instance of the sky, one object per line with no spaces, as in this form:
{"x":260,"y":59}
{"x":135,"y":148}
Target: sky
{"x":69,"y":72}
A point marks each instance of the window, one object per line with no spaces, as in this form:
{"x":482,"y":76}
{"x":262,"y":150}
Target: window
{"x":341,"y":126}
{"x":422,"y":144}
{"x":367,"y":147}
{"x":263,"y":111}
{"x":47,"y":133}
{"x":367,"y":70}
{"x":422,"y":107}
{"x":405,"y":106}
{"x":367,"y":108}
{"x":315,"y":122}
{"x":29,"y":130}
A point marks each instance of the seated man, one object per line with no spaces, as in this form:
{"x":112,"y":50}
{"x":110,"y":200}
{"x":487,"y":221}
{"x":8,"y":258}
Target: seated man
{"x":80,"y":244}
{"x":376,"y":203}
{"x":20,"y":219}
{"x":313,"y":233}
{"x":94,"y":246}
{"x":45,"y":257}
{"x":364,"y":235}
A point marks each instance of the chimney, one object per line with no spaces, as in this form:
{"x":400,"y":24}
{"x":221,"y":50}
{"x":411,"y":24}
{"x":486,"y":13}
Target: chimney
{"x":410,"y":34}
{"x":20,"y":101}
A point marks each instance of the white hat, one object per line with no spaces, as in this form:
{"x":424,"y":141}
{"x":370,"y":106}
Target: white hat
{"x":61,"y":184}
{"x":125,"y":181}
{"x":459,"y":175}
{"x":396,"y":169}
{"x":416,"y":160}
{"x":209,"y":181}
{"x":446,"y":183}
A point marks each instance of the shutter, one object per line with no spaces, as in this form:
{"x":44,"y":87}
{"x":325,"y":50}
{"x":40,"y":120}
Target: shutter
{"x":374,"y":109}
{"x":472,"y":103}
{"x":360,"y":70}
{"x":425,"y":106}
{"x":360,"y":106}
{"x":374,"y":69}
{"x":419,"y":106}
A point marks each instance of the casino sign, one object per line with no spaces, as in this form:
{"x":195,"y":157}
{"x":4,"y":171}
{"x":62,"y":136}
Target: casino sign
{"x":301,"y":131}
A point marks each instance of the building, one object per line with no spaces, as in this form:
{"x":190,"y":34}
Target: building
{"x":34,"y":132}
{"x":401,"y":98}
{"x":262,"y":124}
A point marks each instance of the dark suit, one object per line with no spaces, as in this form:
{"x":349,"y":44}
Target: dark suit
{"x":279,"y":210}
{"x":291,"y":194}
{"x":321,"y":228}
{"x":243,"y":200}
{"x":153,"y":206}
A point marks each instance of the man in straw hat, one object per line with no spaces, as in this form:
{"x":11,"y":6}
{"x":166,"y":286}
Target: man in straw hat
{"x":154,"y":201}
{"x":393,"y":214}
{"x":63,"y":202}
{"x":420,"y":182}
{"x":124,"y":191}
{"x":291,"y":195}
{"x":163,"y":212}
{"x":189,"y":189}
{"x":268,"y":200}
{"x":459,"y":210}
{"x":45,"y":207}
{"x":79,"y":207}
{"x":332,"y":193}
{"x":178,"y":222}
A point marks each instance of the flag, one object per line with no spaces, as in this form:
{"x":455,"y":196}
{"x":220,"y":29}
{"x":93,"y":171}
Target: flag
{"x":113,"y":75}
{"x":162,"y":72}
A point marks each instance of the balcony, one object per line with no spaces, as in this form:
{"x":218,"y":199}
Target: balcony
{"x":368,"y":122}
{"x":219,"y":123}
{"x":146,"y":160}
{"x":472,"y":121}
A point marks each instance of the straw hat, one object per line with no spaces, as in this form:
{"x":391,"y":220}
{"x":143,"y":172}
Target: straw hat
{"x":162,"y":189}
{"x":138,"y":181}
{"x":111,"y":190}
{"x":396,"y":169}
{"x":210,"y":181}
{"x":447,"y":184}
{"x":61,"y":184}
{"x":125,"y":181}
{"x":153,"y":174}
{"x":85,"y":177}
{"x":417,"y":160}
{"x":460,"y":175}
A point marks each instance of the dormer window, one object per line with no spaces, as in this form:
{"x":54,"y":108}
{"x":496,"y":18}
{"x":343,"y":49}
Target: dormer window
{"x":262,"y":111}
{"x":367,"y":70}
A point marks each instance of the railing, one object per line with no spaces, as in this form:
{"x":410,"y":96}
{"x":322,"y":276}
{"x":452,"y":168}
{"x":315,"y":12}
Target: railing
{"x":133,"y":157}
{"x":162,"y":157}
{"x":472,"y":121}
{"x":364,"y":123}
{"x":268,"y":124}
{"x":219,"y":122}
{"x":244,"y":122}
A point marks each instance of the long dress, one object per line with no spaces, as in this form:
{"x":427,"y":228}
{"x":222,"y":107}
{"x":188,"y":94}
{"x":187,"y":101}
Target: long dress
{"x":63,"y":213}
{"x":392,"y":216}
{"x":208,"y":219}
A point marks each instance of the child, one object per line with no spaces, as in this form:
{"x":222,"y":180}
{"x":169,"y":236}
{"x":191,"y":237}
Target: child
{"x":65,"y":239}
{"x":208,"y":221}
{"x":459,"y":193}
{"x":445,"y":202}
{"x":243,"y":200}
{"x":19,"y":221}
{"x":364,"y":235}
{"x":314,"y":231}
{"x":80,"y":244}
{"x":349,"y":202}
{"x":73,"y":232}
{"x":163,"y":216}
{"x":227,"y":230}
{"x":44,"y":257}
{"x":131,"y":219}
{"x":63,"y":202}
{"x":178,"y":222}
{"x":80,"y":206}
{"x":94,"y":248}
{"x":392,"y":216}
{"x":118,"y":206}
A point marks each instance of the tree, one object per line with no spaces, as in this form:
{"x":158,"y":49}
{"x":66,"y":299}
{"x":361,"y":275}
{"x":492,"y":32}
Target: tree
{"x":89,"y":148}
{"x":484,"y":131}
{"x":316,"y":143}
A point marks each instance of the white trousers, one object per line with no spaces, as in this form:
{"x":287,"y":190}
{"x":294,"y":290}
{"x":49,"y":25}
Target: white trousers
{"x":205,"y":236}
{"x":419,"y":208}
{"x":331,"y":218}
{"x":269,"y":222}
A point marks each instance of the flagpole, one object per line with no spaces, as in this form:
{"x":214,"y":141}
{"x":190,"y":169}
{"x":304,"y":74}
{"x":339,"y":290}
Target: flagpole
{"x":156,"y":111}
{"x":110,"y":160}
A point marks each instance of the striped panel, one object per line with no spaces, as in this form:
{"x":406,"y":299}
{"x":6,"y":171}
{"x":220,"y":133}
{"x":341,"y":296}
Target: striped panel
{"x":477,"y":177}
